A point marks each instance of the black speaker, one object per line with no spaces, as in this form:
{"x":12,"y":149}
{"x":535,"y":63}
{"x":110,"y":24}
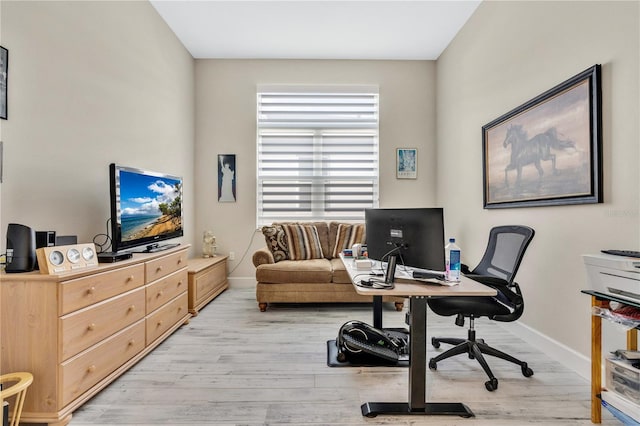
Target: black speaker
{"x":21,"y":248}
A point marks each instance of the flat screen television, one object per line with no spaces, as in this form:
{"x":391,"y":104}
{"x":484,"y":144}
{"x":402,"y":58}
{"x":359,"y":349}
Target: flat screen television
{"x":146,"y":209}
{"x":413,"y":237}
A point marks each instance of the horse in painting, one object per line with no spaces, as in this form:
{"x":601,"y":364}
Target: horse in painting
{"x":525,"y":151}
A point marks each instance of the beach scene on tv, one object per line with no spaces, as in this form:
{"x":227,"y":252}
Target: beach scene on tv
{"x":149,"y":205}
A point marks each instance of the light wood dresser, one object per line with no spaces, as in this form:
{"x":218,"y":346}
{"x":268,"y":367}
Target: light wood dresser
{"x":207,"y":279}
{"x":77,"y":332}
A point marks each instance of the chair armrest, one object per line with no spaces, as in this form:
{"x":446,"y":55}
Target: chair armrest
{"x":506,"y":292}
{"x":262,"y":256}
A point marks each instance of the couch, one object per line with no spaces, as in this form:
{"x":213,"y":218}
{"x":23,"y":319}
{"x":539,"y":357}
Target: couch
{"x":301,"y":264}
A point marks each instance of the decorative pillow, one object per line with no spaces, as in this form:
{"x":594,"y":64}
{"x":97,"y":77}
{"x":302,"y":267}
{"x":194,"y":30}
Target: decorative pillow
{"x":346,"y":236}
{"x":303,"y":242}
{"x":276,"y":242}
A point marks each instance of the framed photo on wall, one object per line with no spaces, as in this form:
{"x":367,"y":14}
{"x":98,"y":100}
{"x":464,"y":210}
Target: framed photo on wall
{"x":4,"y":68}
{"x":547,"y":151}
{"x":406,"y":163}
{"x":227,"y":178}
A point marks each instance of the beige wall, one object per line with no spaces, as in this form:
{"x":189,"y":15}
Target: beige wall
{"x":90,"y":83}
{"x":508,"y":53}
{"x":226,"y":124}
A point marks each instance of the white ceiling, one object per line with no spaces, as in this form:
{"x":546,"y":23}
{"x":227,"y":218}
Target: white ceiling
{"x":316,"y":29}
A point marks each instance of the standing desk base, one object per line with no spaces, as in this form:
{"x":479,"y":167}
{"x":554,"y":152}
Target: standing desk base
{"x":372,"y":409}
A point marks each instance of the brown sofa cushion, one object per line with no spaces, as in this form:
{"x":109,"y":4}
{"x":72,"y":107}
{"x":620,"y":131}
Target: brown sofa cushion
{"x":276,"y":242}
{"x":295,"y":271}
{"x":340,"y":275}
{"x":344,"y":236}
{"x":303,"y":242}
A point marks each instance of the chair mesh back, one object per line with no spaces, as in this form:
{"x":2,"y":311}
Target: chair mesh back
{"x":504,"y":252}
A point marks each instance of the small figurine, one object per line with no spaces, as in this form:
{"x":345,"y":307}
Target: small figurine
{"x":208,"y":244}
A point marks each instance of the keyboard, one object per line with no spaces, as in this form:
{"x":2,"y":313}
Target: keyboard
{"x":627,"y":253}
{"x":381,"y":351}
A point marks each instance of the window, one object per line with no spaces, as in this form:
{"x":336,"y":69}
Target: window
{"x":317,"y":154}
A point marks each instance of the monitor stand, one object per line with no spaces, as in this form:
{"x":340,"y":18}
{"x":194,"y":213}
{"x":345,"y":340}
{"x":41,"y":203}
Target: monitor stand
{"x":152,"y":248}
{"x":391,"y":269}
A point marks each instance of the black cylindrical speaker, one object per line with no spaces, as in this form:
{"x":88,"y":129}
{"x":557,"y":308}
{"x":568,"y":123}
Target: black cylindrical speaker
{"x":21,"y":248}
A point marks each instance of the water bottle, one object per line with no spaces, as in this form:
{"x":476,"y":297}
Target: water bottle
{"x":452,"y":261}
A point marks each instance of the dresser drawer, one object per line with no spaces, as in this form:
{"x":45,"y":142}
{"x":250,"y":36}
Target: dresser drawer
{"x":82,"y":292}
{"x":85,"y":370}
{"x":88,"y":326}
{"x":158,"y":268}
{"x":165,"y":289}
{"x":167,"y":316}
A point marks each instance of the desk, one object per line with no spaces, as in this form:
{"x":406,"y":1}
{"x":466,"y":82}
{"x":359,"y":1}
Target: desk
{"x":418,"y":293}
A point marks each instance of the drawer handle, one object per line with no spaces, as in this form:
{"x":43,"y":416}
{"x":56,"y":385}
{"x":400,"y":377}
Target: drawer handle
{"x":91,"y":327}
{"x":132,"y":308}
{"x":160,"y":293}
{"x":91,"y":369}
{"x":91,"y":290}
{"x":159,"y":323}
{"x":132,"y":342}
{"x":159,"y":268}
{"x":180,"y":261}
{"x":130,"y":278}
{"x":179,"y":283}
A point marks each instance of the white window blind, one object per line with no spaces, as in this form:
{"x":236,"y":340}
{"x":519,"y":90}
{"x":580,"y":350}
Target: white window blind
{"x":317,"y":155}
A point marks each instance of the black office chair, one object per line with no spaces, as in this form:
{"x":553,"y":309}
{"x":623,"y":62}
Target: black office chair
{"x":497,"y":269}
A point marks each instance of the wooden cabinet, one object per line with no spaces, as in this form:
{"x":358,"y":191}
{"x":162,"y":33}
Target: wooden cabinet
{"x":77,"y":332}
{"x":207,"y":279}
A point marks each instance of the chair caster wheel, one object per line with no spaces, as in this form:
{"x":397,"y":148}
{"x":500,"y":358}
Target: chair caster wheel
{"x":526,"y":371}
{"x":435,"y":343}
{"x":341,"y":357}
{"x":491,"y":385}
{"x":432,"y":364}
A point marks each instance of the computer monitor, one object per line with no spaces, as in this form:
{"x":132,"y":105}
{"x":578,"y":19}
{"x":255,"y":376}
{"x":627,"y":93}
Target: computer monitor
{"x":411,"y":236}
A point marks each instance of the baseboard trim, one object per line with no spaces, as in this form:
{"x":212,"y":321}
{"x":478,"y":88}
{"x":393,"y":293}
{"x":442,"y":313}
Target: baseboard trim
{"x":566,"y":356}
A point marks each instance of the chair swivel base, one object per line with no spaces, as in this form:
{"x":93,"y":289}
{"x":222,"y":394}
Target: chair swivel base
{"x":372,"y":409}
{"x":476,"y":349}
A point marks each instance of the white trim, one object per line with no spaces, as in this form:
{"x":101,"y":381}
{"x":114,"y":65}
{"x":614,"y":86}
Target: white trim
{"x":566,"y":356}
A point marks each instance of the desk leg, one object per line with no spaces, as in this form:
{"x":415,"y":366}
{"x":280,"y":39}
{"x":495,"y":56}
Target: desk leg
{"x":596,"y":363}
{"x":632,"y":339}
{"x":377,"y":311}
{"x":417,"y":375}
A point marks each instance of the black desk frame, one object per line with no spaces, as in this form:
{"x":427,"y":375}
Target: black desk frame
{"x":416,"y":404}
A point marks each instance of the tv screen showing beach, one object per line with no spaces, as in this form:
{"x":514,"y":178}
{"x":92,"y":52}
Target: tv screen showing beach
{"x":150,"y":206}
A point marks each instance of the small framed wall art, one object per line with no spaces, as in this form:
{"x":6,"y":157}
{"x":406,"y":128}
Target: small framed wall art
{"x":227,"y":178}
{"x":406,"y":163}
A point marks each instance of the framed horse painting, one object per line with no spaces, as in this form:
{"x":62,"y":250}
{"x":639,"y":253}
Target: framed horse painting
{"x":547,"y":151}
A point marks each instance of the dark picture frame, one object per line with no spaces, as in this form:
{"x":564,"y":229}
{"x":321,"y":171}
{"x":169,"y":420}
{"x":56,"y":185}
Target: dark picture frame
{"x":547,"y":151}
{"x":4,"y":77}
{"x":227,"y":178}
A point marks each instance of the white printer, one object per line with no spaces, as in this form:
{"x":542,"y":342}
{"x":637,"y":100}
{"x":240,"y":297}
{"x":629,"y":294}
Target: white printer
{"x":614,"y":275}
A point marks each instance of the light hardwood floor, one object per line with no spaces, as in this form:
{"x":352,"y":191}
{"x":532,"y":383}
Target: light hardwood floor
{"x":233,"y":365}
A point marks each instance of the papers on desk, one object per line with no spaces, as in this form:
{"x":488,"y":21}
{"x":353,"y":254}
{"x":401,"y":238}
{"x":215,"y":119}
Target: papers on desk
{"x":406,"y":276}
